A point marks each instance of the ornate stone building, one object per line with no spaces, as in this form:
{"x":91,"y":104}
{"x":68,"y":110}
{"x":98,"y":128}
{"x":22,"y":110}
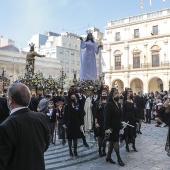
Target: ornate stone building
{"x":137,"y":52}
{"x":14,"y":63}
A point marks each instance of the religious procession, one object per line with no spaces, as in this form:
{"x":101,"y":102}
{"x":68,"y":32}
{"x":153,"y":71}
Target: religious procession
{"x":32,"y":123}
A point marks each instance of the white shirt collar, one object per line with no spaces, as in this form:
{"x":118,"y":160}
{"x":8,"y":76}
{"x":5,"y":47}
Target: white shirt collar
{"x":16,"y":109}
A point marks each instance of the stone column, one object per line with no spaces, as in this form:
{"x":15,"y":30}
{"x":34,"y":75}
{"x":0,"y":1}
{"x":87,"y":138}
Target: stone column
{"x":145,"y":83}
{"x":166,"y":50}
{"x":126,"y":81}
{"x":166,"y":82}
{"x":145,"y":59}
{"x":126,"y":55}
{"x":110,"y":57}
{"x":108,"y":80}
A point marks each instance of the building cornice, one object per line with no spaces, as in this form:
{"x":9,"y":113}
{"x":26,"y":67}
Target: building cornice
{"x":136,"y":22}
{"x":139,"y":39}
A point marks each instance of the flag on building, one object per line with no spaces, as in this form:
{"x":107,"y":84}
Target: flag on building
{"x":141,"y":4}
{"x":150,"y":3}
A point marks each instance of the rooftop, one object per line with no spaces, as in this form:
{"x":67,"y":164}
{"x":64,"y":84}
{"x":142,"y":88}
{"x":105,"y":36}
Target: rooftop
{"x":145,"y":16}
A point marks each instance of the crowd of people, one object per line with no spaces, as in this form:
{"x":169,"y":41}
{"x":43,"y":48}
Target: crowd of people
{"x":112,"y":117}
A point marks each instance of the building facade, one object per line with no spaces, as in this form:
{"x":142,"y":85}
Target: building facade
{"x":137,"y":52}
{"x":6,"y":41}
{"x":14,"y":64}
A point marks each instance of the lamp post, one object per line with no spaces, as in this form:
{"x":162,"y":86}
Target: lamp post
{"x":74,"y":79}
{"x":3,"y":72}
{"x":62,"y":78}
{"x":5,"y":81}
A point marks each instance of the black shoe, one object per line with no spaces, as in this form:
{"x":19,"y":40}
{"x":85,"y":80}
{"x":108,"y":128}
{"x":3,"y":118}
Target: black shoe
{"x":134,"y":148}
{"x":121,"y":163}
{"x":110,"y":160}
{"x":100,"y":154}
{"x":104,"y":153}
{"x":85,"y":144}
{"x":63,"y":142}
{"x":75,"y":154}
{"x":140,"y":132}
{"x":71,"y":153}
{"x":127,"y":149}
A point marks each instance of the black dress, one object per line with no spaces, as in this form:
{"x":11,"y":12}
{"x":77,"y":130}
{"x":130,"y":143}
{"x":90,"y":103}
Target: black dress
{"x":129,"y":115}
{"x":139,"y":105}
{"x":99,"y":115}
{"x":73,"y":120}
{"x":112,"y":120}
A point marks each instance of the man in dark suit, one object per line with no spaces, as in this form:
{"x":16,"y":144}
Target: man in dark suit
{"x":4,"y":111}
{"x":33,"y":103}
{"x":24,"y":135}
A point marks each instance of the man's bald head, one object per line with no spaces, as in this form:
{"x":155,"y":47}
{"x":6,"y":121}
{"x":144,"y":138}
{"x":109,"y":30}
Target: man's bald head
{"x":20,"y":94}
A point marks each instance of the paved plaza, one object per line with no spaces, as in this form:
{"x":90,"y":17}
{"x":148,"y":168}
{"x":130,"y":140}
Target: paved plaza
{"x":151,"y":154}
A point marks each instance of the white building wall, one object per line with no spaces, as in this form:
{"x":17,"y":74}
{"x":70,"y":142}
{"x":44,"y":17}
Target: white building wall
{"x":146,"y":78}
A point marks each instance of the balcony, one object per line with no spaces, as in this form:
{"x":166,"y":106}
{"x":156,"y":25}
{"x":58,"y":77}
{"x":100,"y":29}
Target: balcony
{"x":143,"y":66}
{"x":165,"y":64}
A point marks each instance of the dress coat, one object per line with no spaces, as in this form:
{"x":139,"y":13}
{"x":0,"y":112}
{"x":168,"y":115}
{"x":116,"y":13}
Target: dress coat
{"x":140,"y":105}
{"x":73,"y":119}
{"x":129,"y":115}
{"x":99,"y":115}
{"x":112,"y":120}
{"x":4,"y":111}
{"x":24,"y":137}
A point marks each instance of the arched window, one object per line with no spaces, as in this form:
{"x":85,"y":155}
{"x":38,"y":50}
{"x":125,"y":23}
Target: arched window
{"x":117,"y":55}
{"x":155,"y":56}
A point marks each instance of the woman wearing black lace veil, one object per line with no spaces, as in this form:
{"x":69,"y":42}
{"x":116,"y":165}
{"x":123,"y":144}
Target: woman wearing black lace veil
{"x":73,"y":122}
{"x":112,"y":125}
{"x":129,"y":116}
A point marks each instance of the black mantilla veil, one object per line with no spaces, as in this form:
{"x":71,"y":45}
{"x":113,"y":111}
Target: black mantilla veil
{"x":113,"y":90}
{"x":72,"y":91}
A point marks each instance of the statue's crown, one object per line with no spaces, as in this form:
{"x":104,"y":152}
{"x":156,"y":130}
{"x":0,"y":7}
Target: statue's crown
{"x":89,"y":31}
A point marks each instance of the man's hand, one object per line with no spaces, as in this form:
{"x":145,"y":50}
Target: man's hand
{"x":108,"y":131}
{"x":97,"y":125}
{"x":82,"y":128}
{"x":64,"y":126}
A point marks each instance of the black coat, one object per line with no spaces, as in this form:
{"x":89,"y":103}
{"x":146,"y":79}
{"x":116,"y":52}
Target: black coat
{"x":112,"y":116}
{"x":99,"y":115}
{"x":24,"y":137}
{"x":4,"y":111}
{"x":33,"y":104}
{"x":52,"y":118}
{"x":73,"y":119}
{"x":112,"y":120}
{"x":129,"y":115}
{"x":140,"y":102}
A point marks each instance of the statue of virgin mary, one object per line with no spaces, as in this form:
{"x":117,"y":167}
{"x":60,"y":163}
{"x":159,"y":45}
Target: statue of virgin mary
{"x":88,"y":69}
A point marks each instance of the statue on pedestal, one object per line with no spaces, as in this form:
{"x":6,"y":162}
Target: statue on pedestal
{"x":29,"y":70}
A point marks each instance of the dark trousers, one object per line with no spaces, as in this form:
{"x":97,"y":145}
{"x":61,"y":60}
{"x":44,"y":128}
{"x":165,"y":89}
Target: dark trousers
{"x":52,"y":127}
{"x":61,"y":130}
{"x":148,"y":115}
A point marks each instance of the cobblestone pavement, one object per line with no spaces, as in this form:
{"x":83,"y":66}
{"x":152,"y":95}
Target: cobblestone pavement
{"x":151,"y":154}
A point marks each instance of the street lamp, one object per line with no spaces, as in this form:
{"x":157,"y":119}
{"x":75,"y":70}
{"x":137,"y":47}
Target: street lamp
{"x":61,"y":80}
{"x":74,"y":79}
{"x":5,"y":81}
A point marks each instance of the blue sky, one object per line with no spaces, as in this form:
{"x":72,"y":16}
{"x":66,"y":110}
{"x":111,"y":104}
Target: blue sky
{"x":20,"y":19}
